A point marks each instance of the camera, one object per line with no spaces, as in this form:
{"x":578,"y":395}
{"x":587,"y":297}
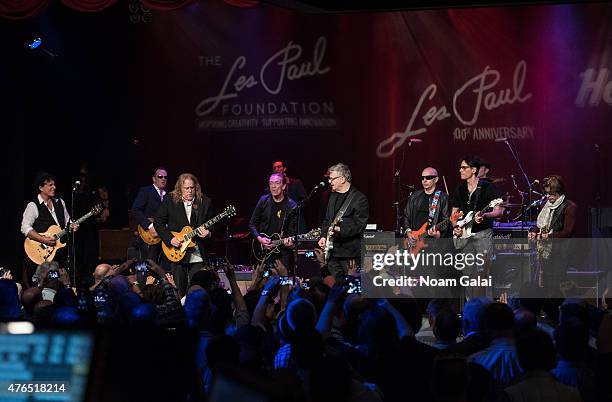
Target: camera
{"x":309,"y":254}
{"x":286,"y":280}
{"x":306,"y":284}
{"x":266,"y":273}
{"x":354,"y":283}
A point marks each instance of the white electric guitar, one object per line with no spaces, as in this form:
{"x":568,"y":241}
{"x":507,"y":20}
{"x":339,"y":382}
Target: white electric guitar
{"x":468,"y":221}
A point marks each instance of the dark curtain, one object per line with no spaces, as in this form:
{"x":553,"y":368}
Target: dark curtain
{"x":24,"y":9}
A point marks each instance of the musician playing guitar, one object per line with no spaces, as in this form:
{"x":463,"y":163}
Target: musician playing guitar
{"x":427,"y":206}
{"x":186,"y":205}
{"x":271,"y":215}
{"x":43,"y":212}
{"x":473,"y":194}
{"x":344,"y":222}
{"x":556,"y":220}
{"x":143,"y":211}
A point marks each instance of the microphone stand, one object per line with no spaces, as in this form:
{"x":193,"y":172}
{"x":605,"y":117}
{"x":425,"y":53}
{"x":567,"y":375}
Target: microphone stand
{"x":397,"y":180}
{"x":529,"y":185}
{"x":298,"y":210}
{"x":71,"y":250}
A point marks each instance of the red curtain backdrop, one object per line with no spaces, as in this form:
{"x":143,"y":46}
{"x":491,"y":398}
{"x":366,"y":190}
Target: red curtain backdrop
{"x":24,"y":9}
{"x":88,"y":6}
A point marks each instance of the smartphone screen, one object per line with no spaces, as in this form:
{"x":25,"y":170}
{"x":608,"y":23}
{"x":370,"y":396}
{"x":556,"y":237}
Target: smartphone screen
{"x":354,"y":283}
{"x":141,"y":266}
{"x":286,"y":280}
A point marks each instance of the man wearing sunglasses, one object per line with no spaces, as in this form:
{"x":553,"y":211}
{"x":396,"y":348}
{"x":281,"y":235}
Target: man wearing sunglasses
{"x":145,"y":206}
{"x":474,"y":194}
{"x":427,"y":205}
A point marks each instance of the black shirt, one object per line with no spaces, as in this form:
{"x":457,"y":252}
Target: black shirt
{"x":485,"y":193}
{"x":339,"y":202}
{"x":276,"y":217}
{"x":422,"y":211}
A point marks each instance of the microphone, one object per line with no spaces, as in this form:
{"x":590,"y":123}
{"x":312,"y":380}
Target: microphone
{"x":76,"y":185}
{"x":501,"y":139}
{"x":319,"y":186}
{"x":513,"y":179}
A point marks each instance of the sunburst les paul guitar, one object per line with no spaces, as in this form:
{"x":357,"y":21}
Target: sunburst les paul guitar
{"x":186,"y":235}
{"x":147,"y":237}
{"x":39,"y":252}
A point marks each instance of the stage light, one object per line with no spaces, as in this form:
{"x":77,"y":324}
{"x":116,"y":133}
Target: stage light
{"x":35,"y":43}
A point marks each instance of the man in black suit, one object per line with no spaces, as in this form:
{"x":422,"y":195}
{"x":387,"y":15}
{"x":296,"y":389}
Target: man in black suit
{"x":184,"y":206}
{"x":346,"y":234}
{"x":145,"y":206}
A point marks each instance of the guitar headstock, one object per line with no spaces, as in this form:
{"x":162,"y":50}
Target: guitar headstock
{"x":496,"y":202}
{"x":97,"y":209}
{"x":314,"y":234}
{"x":230,"y":211}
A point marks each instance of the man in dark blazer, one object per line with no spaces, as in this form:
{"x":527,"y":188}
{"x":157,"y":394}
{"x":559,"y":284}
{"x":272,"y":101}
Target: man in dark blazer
{"x":143,"y":211}
{"x":185,"y":206}
{"x":346,"y":234}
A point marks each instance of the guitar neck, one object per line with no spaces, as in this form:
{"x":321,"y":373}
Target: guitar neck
{"x":77,"y":222}
{"x":291,"y":238}
{"x":205,"y":225}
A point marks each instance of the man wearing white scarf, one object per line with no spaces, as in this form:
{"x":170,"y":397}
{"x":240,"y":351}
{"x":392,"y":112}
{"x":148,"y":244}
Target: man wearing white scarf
{"x":556,"y":220}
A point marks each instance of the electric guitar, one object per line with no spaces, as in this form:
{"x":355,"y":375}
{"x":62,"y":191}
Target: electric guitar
{"x":262,"y":254}
{"x":418,"y":243}
{"x":468,"y":221}
{"x":147,"y":237}
{"x":176,"y":254}
{"x":40,"y":252}
{"x":329,"y":240}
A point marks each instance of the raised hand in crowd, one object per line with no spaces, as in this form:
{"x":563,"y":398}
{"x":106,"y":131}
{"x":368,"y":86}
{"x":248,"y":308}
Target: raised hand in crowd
{"x":319,"y":256}
{"x":170,"y":279}
{"x":161,"y":273}
{"x":280,"y":268}
{"x":118,"y":269}
{"x":64,"y":277}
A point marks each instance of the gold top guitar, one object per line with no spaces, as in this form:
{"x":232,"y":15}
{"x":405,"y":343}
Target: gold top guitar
{"x":176,"y":254}
{"x":39,"y":252}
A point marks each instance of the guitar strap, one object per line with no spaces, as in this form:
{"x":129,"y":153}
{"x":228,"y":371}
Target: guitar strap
{"x":477,"y":191}
{"x":433,"y":208}
{"x":344,"y":207}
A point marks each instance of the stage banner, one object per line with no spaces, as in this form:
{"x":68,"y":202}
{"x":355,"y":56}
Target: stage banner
{"x":387,"y":93}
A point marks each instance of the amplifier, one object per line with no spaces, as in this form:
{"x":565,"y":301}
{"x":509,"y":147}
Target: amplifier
{"x":511,"y":236}
{"x":377,"y":242}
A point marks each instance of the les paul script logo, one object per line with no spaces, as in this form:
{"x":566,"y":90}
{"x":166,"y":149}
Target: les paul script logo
{"x":481,"y":86}
{"x":281,"y":66}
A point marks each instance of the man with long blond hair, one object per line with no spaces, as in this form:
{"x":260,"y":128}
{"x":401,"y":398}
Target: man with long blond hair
{"x":186,"y":206}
